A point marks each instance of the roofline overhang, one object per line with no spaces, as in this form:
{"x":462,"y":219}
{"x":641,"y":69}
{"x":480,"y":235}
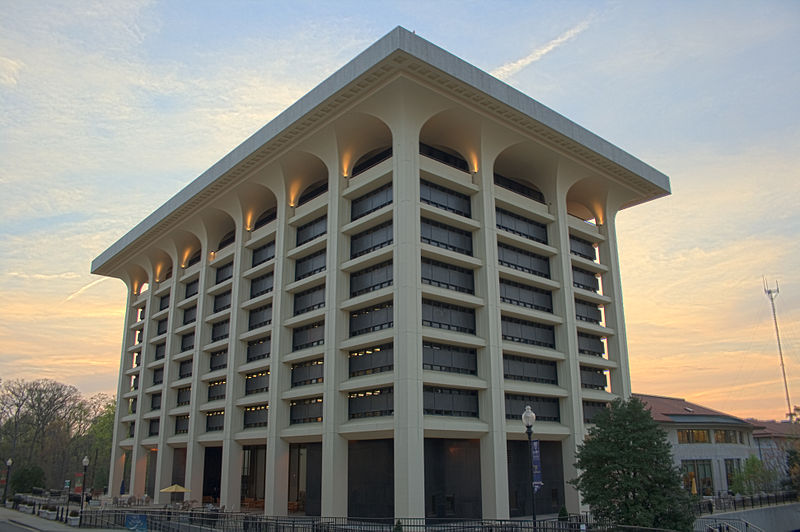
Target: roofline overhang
{"x":399,"y":50}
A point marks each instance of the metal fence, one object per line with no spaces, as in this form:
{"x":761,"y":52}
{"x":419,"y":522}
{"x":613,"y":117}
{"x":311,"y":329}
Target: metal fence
{"x":710,"y":524}
{"x":734,"y":503}
{"x":206,"y":521}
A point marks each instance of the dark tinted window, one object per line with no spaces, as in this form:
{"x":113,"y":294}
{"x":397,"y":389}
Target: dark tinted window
{"x":371,"y":201}
{"x":446,"y":237}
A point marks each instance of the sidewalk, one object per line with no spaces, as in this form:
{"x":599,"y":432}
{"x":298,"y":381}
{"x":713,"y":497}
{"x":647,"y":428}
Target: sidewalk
{"x":38,"y":523}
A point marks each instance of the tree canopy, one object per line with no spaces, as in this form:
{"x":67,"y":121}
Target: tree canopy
{"x":47,"y":427}
{"x":628,"y":476}
{"x":753,"y":478}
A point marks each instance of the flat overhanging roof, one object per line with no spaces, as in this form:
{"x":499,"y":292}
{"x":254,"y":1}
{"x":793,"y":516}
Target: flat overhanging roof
{"x":396,"y":51}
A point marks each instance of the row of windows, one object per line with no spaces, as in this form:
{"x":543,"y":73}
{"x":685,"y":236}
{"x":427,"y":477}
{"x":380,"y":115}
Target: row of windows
{"x":445,"y":237}
{"x":448,"y":276}
{"x":371,"y":403}
{"x":372,"y":318}
{"x":371,"y":202}
{"x":444,"y":198}
{"x":525,"y":296}
{"x":309,"y":300}
{"x":380,"y":316}
{"x":436,"y":356}
{"x":310,"y":372}
{"x":371,"y":279}
{"x":449,"y":317}
{"x":519,"y":225}
{"x":371,"y":239}
{"x":437,"y":401}
{"x":704,"y":436}
{"x":254,"y":416}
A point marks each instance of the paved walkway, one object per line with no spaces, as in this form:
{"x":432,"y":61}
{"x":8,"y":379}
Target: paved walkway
{"x":33,"y":522}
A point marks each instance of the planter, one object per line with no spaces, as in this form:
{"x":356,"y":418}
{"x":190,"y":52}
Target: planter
{"x":73,"y":521}
{"x":9,"y":504}
{"x":51,"y":515}
{"x":24,"y":508}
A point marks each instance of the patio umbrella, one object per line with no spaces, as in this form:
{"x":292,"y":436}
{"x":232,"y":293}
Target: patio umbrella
{"x":175,"y":488}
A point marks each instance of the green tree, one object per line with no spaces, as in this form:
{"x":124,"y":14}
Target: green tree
{"x":627,"y":472}
{"x":753,"y":477}
{"x":25,"y":478}
{"x":100,"y":436}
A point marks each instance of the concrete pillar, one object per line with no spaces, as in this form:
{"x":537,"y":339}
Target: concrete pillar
{"x":409,"y":438}
{"x":494,"y":461}
{"x":569,"y":374}
{"x":231,"y":474}
{"x":334,"y":447}
{"x":614,"y":314}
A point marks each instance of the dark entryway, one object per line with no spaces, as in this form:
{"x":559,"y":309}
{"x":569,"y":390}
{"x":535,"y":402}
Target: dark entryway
{"x":370,"y":478}
{"x":550,"y":497}
{"x":212,"y":474}
{"x":178,"y":471}
{"x":254,"y":458}
{"x":452,"y":478}
{"x":305,"y":478}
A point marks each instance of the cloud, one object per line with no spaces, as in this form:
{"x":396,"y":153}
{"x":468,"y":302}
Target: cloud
{"x":509,"y":69}
{"x":9,"y":71}
{"x":44,"y":276}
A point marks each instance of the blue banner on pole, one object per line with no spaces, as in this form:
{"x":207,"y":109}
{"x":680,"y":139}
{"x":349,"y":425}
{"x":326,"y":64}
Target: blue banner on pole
{"x":536,"y":460}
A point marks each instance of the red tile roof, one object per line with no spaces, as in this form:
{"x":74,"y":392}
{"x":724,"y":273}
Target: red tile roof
{"x":667,"y":409}
{"x":775,"y":429}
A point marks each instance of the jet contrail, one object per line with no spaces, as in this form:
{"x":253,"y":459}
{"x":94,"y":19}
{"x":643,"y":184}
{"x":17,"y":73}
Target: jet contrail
{"x":82,"y":289}
{"x":509,"y":69}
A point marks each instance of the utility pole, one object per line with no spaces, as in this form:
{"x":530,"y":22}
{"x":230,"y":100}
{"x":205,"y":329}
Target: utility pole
{"x":771,"y":295}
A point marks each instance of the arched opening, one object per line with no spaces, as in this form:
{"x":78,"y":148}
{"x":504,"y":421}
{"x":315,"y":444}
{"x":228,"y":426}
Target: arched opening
{"x":314,"y":190}
{"x":259,"y":205}
{"x":370,"y":159}
{"x":523,"y":169}
{"x":162,"y":265}
{"x":586,"y":199}
{"x":452,"y":137}
{"x":188,"y":248}
{"x":221,"y":229}
{"x":306,"y":177}
{"x":139,"y":281}
{"x":364,"y":142}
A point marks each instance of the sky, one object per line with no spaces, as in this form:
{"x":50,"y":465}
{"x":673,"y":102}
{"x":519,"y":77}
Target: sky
{"x":108,"y":108}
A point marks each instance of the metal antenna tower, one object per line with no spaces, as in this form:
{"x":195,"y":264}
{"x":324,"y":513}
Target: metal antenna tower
{"x":771,"y":295}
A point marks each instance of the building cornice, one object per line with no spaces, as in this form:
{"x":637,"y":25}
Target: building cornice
{"x":400,"y":51}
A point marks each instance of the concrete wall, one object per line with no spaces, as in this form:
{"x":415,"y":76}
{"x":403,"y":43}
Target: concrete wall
{"x":784,"y":518}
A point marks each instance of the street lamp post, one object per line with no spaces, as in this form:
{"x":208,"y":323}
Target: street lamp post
{"x":9,"y":463}
{"x":528,"y":417}
{"x":83,"y":489}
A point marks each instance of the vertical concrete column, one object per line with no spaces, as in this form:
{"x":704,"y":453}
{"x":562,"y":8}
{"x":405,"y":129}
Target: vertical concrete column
{"x":334,"y":406}
{"x":195,"y":453}
{"x":409,"y":437}
{"x":230,"y":479}
{"x":165,"y":455}
{"x":138,"y":470}
{"x":494,"y":462}
{"x":614,"y":314}
{"x":115,"y":475}
{"x":569,"y":375}
{"x":276,"y":492}
{"x":139,"y":459}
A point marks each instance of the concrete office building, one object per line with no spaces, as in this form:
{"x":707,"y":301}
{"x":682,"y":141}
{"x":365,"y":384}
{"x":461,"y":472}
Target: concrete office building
{"x":348,"y":313}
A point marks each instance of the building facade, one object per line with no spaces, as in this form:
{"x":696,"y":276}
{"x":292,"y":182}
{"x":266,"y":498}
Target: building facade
{"x":774,"y":441}
{"x":708,"y":446}
{"x":347,"y":315}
